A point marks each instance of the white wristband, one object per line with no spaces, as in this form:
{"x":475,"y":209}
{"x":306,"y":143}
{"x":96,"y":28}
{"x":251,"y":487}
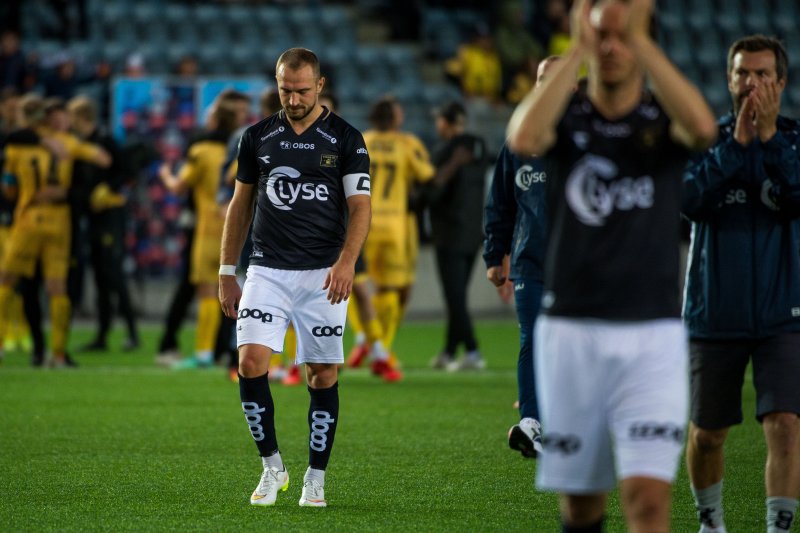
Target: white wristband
{"x":227,"y":270}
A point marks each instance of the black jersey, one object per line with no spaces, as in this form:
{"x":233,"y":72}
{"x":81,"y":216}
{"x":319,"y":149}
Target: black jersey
{"x":303,"y":184}
{"x":615,"y":197}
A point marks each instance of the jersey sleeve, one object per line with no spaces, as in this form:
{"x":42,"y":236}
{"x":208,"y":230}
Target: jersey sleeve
{"x":419,"y":160}
{"x":190,"y":172}
{"x":247,"y":171}
{"x":355,"y":165}
{"x":81,"y":150}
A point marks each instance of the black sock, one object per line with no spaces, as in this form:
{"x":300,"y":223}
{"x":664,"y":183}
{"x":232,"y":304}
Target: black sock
{"x":259,"y":411}
{"x":323,"y":415}
{"x":597,"y":527}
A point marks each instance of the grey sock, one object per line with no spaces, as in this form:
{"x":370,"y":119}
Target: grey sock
{"x":273,"y":461}
{"x":314,"y":474}
{"x":709,"y":505}
{"x":780,"y":514}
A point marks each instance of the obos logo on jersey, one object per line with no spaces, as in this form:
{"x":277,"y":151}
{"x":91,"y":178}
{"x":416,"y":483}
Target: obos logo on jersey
{"x":593,"y":190}
{"x":283,"y":189}
{"x":526,"y":177}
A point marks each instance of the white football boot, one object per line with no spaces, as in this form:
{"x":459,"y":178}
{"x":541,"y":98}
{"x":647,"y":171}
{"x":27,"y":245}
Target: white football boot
{"x":313,"y":494}
{"x":272,"y":480}
{"x":526,"y":437}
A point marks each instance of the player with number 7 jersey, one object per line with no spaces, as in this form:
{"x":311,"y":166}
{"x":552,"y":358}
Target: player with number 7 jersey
{"x":398,"y":161}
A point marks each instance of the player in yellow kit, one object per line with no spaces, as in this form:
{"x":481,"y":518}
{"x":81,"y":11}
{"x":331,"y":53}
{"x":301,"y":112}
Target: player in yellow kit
{"x":201,"y":174}
{"x":398,"y":160}
{"x":39,"y":177}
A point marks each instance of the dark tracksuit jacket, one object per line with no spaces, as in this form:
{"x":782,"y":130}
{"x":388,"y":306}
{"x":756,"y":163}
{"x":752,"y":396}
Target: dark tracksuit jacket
{"x":743,"y":278}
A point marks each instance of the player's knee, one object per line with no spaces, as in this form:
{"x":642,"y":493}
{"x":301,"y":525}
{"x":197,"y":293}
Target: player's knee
{"x":783,"y":432}
{"x":579,"y":511}
{"x":707,"y":440}
{"x":646,"y":504}
{"x":252,"y":363}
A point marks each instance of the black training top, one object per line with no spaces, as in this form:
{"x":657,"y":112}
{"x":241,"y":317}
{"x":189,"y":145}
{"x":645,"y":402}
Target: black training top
{"x":303,"y":184}
{"x":614,"y":198}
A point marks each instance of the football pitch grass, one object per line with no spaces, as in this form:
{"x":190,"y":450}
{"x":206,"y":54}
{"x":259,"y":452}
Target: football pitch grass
{"x":120,"y":445}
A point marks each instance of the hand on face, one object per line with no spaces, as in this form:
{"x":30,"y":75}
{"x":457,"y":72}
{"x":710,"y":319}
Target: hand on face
{"x":639,"y":14}
{"x":766,"y":105}
{"x":745,"y":130}
{"x":583,"y":34}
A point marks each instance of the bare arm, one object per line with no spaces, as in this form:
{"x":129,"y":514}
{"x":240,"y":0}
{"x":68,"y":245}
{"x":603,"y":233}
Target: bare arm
{"x":532,"y":128}
{"x":693,"y":123}
{"x":237,"y":224}
{"x":172,"y":182}
{"x":339,"y":281}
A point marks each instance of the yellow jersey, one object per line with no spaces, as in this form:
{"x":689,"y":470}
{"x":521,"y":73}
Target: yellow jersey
{"x":201,"y":172}
{"x":397,"y":161}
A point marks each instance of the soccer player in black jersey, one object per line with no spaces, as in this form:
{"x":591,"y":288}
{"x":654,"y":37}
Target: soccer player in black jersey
{"x":305,"y":172}
{"x":611,"y":355}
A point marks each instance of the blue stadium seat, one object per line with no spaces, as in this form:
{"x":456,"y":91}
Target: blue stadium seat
{"x":701,"y":17}
{"x":785,"y":15}
{"x":270,"y":15}
{"x":756,"y":16}
{"x":333,"y":19}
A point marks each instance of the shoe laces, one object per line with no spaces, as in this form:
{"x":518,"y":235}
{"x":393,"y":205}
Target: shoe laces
{"x":269,"y":480}
{"x":313,"y":490}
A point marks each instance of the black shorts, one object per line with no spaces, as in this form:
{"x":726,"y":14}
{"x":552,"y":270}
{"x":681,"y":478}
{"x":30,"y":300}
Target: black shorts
{"x":717,"y":375}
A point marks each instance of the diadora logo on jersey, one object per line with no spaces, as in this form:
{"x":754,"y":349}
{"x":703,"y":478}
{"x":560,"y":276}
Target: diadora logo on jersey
{"x":327,"y":331}
{"x":286,"y":145}
{"x":252,"y":413}
{"x":327,"y":136}
{"x":273,"y":133}
{"x":265,"y":159}
{"x":362,"y":151}
{"x":526,"y":177}
{"x":594,"y":191}
{"x":283,"y":189}
{"x":320,"y":424}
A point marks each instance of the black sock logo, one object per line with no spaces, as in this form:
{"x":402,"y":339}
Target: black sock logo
{"x":320,"y":423}
{"x":252,"y":413}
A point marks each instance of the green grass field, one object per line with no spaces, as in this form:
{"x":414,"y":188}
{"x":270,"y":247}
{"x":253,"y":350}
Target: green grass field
{"x":120,"y":445}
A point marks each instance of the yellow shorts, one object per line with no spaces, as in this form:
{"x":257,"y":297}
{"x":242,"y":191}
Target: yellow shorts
{"x":205,"y":252}
{"x":39,"y":234}
{"x":387,"y":262}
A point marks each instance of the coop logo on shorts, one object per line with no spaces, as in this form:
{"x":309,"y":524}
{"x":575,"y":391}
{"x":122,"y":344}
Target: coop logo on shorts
{"x":656,"y":431}
{"x":320,"y":424}
{"x":273,"y":133}
{"x":252,"y":413}
{"x":327,"y":136}
{"x":258,"y":314}
{"x":563,"y":444}
{"x":526,"y":177}
{"x":284,"y":189}
{"x":594,"y":190}
{"x":327,"y":331}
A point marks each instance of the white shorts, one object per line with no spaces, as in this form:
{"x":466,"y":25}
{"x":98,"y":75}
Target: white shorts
{"x":613,"y":397}
{"x":272,"y":298}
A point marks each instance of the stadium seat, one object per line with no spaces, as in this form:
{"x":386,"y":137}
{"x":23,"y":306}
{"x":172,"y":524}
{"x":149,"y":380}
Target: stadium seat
{"x":784,"y":15}
{"x":700,"y":17}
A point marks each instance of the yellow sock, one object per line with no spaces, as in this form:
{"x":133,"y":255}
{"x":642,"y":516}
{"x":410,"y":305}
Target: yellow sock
{"x":353,"y":316}
{"x":6,"y":294}
{"x":18,"y":329}
{"x":374,"y":331}
{"x":290,"y":346}
{"x":60,"y":309}
{"x":208,"y":319}
{"x":387,"y":305}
